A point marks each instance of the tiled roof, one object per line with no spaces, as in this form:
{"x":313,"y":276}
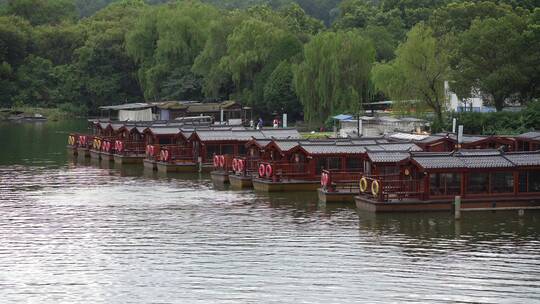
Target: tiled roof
{"x":286,"y":145}
{"x":387,"y":156}
{"x":333,"y":149}
{"x":470,"y":159}
{"x":245,"y":134}
{"x":524,"y":158}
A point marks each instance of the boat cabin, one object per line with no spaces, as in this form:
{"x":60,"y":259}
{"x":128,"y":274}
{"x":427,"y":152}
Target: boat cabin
{"x":529,"y":141}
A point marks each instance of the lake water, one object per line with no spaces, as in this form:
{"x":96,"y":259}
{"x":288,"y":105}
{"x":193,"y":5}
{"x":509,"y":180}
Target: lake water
{"x":92,"y":233}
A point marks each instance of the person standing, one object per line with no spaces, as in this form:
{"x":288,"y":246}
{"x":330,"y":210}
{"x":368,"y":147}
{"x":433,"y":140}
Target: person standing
{"x":260,"y":123}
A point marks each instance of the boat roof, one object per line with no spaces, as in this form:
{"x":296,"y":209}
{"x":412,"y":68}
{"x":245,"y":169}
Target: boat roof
{"x":475,"y":159}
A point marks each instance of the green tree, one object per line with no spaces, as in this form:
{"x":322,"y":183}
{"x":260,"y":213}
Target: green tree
{"x":489,"y":58}
{"x":418,"y":72}
{"x":254,"y":49}
{"x":334,"y":74}
{"x":165,"y":43}
{"x":279,"y":95}
{"x":39,"y":12}
{"x":15,"y":45}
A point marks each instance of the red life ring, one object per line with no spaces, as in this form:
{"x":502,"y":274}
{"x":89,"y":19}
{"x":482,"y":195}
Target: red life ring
{"x":269,"y":171}
{"x":107,"y":146}
{"x":262,"y":170}
{"x":323,"y":179}
{"x":166,"y":155}
{"x":152,"y":151}
{"x":216,"y":161}
{"x":222,"y":161}
{"x":147,"y":150}
{"x":235,"y":165}
{"x":241,"y":165}
{"x":120,"y":146}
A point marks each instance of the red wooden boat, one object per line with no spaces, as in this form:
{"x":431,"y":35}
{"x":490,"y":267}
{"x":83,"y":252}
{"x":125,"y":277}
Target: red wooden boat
{"x":490,"y":179}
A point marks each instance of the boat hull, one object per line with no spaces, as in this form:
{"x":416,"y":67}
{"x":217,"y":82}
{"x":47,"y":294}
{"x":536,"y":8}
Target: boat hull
{"x":239,"y":182}
{"x":150,"y":164}
{"x":335,"y":196}
{"x":367,"y":204}
{"x":127,"y":159}
{"x":176,"y":167}
{"x":264,"y":185}
{"x":219,"y":178}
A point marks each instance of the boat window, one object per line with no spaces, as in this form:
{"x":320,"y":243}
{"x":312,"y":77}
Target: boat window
{"x":242,"y":150}
{"x":534,"y":181}
{"x":211,"y":150}
{"x":388,"y":170}
{"x":354,"y":164}
{"x":227,"y":149}
{"x":529,"y":181}
{"x":164,"y":141}
{"x":334,"y":163}
{"x":502,"y":182}
{"x":445,"y":183}
{"x":321,"y":164}
{"x":478,"y":183}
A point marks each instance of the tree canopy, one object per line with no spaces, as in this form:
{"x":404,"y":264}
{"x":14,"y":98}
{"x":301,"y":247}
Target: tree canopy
{"x":310,"y":58}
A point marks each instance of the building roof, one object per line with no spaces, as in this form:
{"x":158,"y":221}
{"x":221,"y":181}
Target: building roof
{"x":534,"y":135}
{"x":164,"y":130}
{"x":128,"y":106}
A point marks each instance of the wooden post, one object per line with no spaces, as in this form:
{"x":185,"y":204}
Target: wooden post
{"x":457,"y":207}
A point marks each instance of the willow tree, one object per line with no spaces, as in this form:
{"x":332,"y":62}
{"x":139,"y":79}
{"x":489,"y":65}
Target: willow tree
{"x":165,"y":43}
{"x":254,"y":49}
{"x":334,"y":74}
{"x":416,"y":76}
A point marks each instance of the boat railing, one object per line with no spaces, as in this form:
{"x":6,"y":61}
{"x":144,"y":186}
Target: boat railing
{"x":245,"y":166}
{"x":388,"y":188}
{"x":129,"y":147}
{"x":176,"y":154}
{"x":85,"y":141}
{"x":279,"y":170}
{"x":341,"y":180}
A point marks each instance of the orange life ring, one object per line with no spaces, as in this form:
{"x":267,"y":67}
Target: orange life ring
{"x":222,"y":161}
{"x":262,"y":170}
{"x":269,"y":171}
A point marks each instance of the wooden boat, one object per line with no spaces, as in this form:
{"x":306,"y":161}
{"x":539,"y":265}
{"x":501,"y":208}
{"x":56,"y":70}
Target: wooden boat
{"x":301,"y":168}
{"x":233,"y":146}
{"x":490,"y":179}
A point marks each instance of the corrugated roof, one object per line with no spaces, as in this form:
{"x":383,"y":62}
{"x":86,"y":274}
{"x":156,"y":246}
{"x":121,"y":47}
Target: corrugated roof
{"x":245,"y":134}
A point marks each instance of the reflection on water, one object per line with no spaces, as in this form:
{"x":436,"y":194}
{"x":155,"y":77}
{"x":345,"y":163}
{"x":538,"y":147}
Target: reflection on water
{"x":75,"y":231}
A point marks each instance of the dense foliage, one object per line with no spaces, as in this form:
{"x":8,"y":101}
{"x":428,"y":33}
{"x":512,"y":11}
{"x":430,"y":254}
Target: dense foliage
{"x":310,"y":58}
